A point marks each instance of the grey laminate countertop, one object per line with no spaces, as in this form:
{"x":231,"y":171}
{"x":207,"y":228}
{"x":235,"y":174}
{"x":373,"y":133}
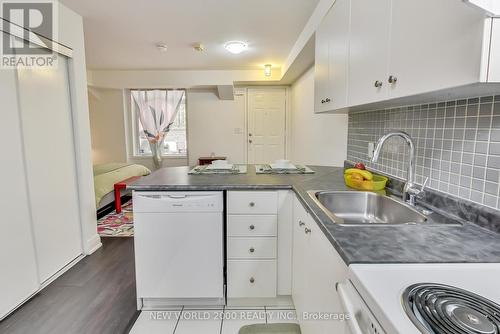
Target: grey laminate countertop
{"x":356,"y":244}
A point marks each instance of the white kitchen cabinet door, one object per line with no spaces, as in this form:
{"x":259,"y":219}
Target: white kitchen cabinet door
{"x":494,"y":61}
{"x":317,"y":268}
{"x":19,"y":278}
{"x":47,"y":127}
{"x":434,"y":45}
{"x":324,"y":271}
{"x":322,"y":64}
{"x":369,"y":51}
{"x":299,"y":258}
{"x":339,"y":16}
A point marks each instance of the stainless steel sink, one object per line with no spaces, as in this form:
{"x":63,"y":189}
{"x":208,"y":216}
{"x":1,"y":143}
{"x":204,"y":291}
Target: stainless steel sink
{"x":352,"y":207}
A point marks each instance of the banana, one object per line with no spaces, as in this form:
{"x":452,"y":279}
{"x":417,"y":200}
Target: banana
{"x":367,"y":175}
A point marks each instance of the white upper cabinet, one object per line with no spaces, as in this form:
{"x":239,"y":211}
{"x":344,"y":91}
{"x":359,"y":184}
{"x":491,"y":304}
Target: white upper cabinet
{"x":434,"y":45}
{"x":332,"y":54}
{"x":322,"y":65}
{"x":369,"y":50}
{"x":380,"y":53}
{"x":494,"y":60}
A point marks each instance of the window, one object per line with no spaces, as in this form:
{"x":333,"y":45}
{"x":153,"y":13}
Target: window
{"x":175,"y":143}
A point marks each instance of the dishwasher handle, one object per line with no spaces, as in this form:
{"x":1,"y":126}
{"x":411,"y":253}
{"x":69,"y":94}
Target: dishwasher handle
{"x":349,"y":307}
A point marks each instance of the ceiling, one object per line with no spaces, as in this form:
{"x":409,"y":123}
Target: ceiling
{"x":122,"y":34}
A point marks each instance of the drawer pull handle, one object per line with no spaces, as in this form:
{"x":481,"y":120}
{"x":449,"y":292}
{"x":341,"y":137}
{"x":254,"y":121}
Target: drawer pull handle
{"x":252,"y":280}
{"x":252,"y":227}
{"x":252,"y":204}
{"x":252,"y":250}
{"x":301,"y":223}
{"x":307,"y":230}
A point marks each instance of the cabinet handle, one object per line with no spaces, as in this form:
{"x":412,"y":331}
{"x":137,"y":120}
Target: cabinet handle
{"x":252,"y":250}
{"x":328,"y":100}
{"x":252,"y":280}
{"x":252,"y":227}
{"x":378,"y":84}
{"x":252,"y":204}
{"x":323,"y":101}
{"x":307,"y":230}
{"x":301,"y":223}
{"x":392,"y":79}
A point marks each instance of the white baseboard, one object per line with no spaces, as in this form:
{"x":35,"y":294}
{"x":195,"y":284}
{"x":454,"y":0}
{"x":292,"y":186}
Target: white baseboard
{"x":92,"y":244}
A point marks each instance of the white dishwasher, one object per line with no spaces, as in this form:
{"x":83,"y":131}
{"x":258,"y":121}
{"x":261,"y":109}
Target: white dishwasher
{"x":179,"y":254}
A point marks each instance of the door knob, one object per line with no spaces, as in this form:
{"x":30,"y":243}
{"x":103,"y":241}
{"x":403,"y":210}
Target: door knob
{"x":378,"y":84}
{"x":328,"y":100}
{"x":307,"y":230}
{"x":252,"y":227}
{"x":392,"y":79}
{"x":301,"y":223}
{"x":323,"y":101}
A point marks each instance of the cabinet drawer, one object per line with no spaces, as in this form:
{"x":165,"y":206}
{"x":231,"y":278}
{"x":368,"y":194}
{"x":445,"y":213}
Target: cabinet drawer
{"x":251,"y":279}
{"x":251,"y":248}
{"x":252,"y":202}
{"x":251,"y":226}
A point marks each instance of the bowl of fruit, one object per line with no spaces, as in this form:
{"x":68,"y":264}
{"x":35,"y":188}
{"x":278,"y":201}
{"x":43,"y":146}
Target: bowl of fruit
{"x":362,"y":179}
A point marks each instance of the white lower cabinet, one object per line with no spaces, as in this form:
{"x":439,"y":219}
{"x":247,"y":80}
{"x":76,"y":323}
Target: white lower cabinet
{"x":258,"y":244}
{"x":251,"y":278}
{"x":317,"y":267}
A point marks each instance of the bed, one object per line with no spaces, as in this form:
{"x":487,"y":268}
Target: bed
{"x":105,"y":177}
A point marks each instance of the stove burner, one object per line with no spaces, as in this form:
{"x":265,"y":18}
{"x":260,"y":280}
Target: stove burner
{"x":443,"y":309}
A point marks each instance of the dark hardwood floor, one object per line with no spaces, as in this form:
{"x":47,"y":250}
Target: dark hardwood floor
{"x":96,"y":296}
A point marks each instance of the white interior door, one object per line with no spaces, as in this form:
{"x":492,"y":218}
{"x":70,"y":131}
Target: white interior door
{"x":46,"y":118}
{"x":266,"y":124}
{"x":18,"y":278}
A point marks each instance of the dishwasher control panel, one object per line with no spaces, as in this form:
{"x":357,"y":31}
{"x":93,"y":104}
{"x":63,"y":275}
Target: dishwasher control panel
{"x":176,"y":201}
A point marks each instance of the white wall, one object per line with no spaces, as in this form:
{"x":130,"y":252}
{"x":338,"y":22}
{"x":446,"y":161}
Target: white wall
{"x":316,"y":139}
{"x":216,"y":126}
{"x":70,"y":27}
{"x":107,"y":120}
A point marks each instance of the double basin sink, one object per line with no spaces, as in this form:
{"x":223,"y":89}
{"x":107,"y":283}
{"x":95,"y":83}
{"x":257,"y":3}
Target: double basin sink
{"x":355,"y":208}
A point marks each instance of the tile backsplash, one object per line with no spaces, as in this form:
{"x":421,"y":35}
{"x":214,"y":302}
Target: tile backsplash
{"x":457,"y":145}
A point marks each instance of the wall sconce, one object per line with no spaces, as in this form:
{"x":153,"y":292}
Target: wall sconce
{"x":267,"y":70}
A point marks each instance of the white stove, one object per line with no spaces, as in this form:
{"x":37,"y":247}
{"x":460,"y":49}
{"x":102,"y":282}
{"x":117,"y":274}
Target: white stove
{"x":422,"y":298}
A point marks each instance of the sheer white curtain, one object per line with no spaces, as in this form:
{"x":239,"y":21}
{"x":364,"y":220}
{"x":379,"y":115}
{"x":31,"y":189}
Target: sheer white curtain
{"x":157,"y":110}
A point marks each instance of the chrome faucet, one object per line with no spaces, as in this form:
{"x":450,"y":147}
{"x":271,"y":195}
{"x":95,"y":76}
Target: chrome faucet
{"x":410,"y":190}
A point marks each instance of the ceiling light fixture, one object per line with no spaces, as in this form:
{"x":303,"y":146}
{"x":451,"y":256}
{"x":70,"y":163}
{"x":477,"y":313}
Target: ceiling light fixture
{"x":162,"y":47}
{"x":236,"y":47}
{"x":198,"y":47}
{"x":267,"y":70}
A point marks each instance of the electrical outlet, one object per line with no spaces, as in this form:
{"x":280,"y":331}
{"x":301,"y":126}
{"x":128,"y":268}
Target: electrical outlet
{"x":371,"y":148}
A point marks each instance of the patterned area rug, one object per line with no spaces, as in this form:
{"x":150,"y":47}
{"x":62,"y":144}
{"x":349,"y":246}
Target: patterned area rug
{"x":117,"y":225}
